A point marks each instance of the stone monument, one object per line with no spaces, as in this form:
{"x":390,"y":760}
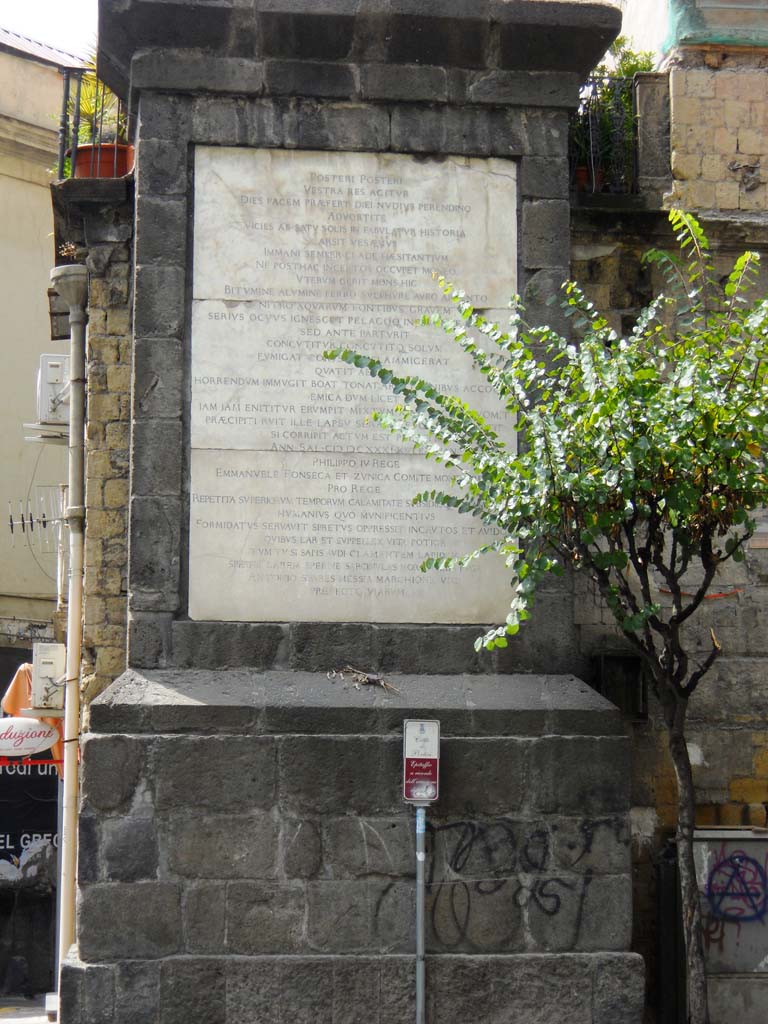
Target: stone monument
{"x":245,"y":854}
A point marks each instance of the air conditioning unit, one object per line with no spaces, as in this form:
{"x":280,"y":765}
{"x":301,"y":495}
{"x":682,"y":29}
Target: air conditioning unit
{"x":48,"y":675}
{"x":53,"y":389}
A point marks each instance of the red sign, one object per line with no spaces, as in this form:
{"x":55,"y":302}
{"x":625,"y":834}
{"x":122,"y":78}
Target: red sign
{"x":421,"y":778}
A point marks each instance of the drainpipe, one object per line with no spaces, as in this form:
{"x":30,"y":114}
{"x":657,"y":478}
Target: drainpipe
{"x":71,"y":282}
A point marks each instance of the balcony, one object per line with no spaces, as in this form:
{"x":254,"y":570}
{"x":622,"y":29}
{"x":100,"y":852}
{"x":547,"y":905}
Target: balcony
{"x":619,"y":142}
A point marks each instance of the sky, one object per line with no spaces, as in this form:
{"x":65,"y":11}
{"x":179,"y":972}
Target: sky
{"x":69,"y":25}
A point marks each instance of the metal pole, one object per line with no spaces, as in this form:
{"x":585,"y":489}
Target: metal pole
{"x":421,"y":828}
{"x":75,"y":128}
{"x":61,"y":594}
{"x":63,"y":125}
{"x":71,"y":282}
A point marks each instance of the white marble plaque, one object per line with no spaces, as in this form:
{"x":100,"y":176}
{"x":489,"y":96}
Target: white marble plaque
{"x":299,"y":508}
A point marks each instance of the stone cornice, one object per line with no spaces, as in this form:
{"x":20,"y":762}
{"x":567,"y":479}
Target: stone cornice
{"x":27,"y":141}
{"x":567,"y":36}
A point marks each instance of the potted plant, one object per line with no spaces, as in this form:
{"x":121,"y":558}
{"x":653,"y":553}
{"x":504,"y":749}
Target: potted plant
{"x":589,"y":141}
{"x":102,"y":149}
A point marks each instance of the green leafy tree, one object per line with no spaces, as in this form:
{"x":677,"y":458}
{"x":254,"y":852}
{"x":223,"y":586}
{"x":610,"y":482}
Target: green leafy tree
{"x":639,"y":461}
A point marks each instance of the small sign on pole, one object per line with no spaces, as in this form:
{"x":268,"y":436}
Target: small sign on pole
{"x":421,"y":761}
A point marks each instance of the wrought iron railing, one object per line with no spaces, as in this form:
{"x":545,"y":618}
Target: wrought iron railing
{"x":92,"y":129}
{"x":603,"y":137}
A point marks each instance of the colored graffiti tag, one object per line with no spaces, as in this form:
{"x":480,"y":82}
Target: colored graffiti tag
{"x":737,"y":889}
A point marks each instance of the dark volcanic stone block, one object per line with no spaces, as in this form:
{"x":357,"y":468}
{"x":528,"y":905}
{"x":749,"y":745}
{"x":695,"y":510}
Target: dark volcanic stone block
{"x":97,"y":994}
{"x":398,"y":990}
{"x":619,"y":989}
{"x":579,"y":774}
{"x":301,"y":848}
{"x":161,"y":228}
{"x":193,"y":990}
{"x":254,"y":990}
{"x":159,"y":301}
{"x":325,"y":35}
{"x":403,"y":82}
{"x":111,"y":769}
{"x":442,"y":130}
{"x":171,"y":70}
{"x":122,"y":922}
{"x":359,"y":846}
{"x":339,"y":916}
{"x":545,"y":232}
{"x":204,"y":914}
{"x":544,"y":177}
{"x":476,"y":916}
{"x":342,"y":126}
{"x":461,"y":991}
{"x":482,"y":776}
{"x":320,"y":775}
{"x":394,"y":916}
{"x":156,"y":456}
{"x":87,"y":850}
{"x":544,"y":989}
{"x":215,"y":122}
{"x":154,"y":553}
{"x":221,"y":845}
{"x":309,"y":78}
{"x":230,"y":772}
{"x":265,"y":917}
{"x":227,"y":644}
{"x":320,"y":647}
{"x":137,"y":992}
{"x":130,"y":849}
{"x":149,"y":639}
{"x":158,"y":374}
{"x":307,"y":992}
{"x":525,"y":89}
{"x":357,"y":983}
{"x":162,"y":167}
{"x":425,"y":40}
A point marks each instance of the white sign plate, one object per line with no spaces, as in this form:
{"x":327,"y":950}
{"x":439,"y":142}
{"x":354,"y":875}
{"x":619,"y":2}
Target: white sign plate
{"x":22,"y":737}
{"x":299,"y":509}
{"x":421,"y":761}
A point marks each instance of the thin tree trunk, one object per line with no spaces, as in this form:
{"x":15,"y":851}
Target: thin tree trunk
{"x":696,"y":981}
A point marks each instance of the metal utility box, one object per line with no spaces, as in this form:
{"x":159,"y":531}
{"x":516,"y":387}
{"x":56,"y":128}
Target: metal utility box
{"x":48,"y":671}
{"x":732,"y":874}
{"x":53,"y":389}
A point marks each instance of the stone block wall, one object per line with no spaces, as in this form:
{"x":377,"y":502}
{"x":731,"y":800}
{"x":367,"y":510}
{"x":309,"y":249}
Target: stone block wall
{"x":243,"y":842}
{"x":719,"y":130}
{"x":94,"y":226}
{"x":495,"y":80}
{"x":482,"y":115}
{"x":255,"y":846}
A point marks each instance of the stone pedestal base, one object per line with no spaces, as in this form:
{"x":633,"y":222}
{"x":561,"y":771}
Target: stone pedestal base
{"x":537,"y":989}
{"x":245,"y":853}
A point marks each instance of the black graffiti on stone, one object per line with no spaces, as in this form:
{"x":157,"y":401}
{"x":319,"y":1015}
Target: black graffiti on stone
{"x":495,"y":884}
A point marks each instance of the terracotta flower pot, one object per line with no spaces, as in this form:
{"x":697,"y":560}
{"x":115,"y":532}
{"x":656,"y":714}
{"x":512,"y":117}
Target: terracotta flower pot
{"x":584,"y":181}
{"x":108,"y":160}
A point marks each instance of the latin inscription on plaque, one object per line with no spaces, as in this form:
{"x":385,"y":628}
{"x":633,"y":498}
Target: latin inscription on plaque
{"x":300,"y":508}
